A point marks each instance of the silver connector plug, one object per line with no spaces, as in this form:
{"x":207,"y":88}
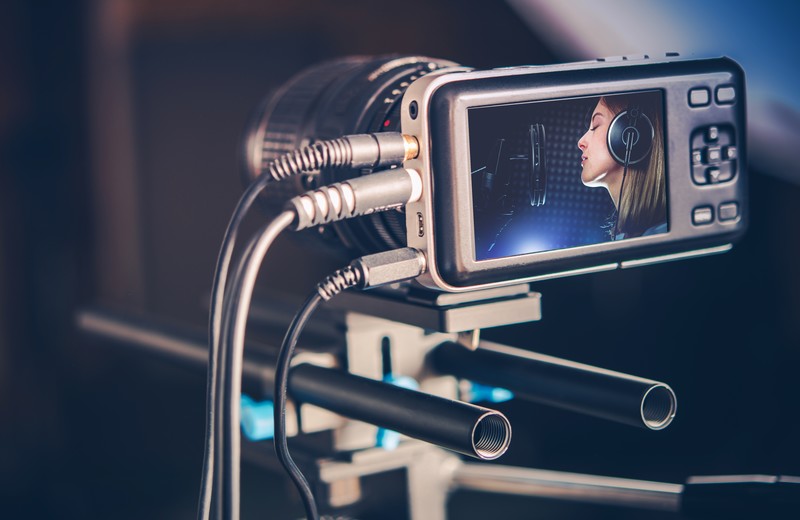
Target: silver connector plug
{"x":371,"y":193}
{"x":374,"y":270}
{"x":390,"y":266}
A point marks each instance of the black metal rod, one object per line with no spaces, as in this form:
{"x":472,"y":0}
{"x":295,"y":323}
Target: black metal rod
{"x":561,"y":383}
{"x":455,"y":425}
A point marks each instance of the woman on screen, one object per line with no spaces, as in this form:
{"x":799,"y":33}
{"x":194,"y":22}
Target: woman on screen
{"x":635,"y":181}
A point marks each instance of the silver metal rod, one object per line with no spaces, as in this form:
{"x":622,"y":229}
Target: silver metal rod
{"x":573,"y":487}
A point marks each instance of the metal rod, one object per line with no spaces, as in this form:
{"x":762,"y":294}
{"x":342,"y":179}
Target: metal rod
{"x":455,"y":425}
{"x":561,"y":383}
{"x":175,"y":344}
{"x":461,"y":427}
{"x":572,"y":487}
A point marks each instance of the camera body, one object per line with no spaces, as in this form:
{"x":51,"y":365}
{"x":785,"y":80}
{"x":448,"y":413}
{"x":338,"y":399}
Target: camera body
{"x":529,"y":172}
{"x":498,"y":229}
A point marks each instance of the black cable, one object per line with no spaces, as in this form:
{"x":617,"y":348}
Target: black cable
{"x":215,"y":321}
{"x":281,"y":389}
{"x":237,"y":308}
{"x":332,"y":285}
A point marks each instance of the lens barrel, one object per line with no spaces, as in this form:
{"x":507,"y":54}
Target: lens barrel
{"x":351,"y":95}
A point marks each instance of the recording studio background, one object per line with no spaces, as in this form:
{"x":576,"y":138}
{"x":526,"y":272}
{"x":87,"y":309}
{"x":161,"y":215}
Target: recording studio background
{"x":572,"y":214}
{"x":120,"y":122}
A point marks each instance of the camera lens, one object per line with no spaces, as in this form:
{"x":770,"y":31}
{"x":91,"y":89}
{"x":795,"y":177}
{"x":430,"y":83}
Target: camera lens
{"x":352,"y":95}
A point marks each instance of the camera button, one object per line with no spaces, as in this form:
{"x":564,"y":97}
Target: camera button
{"x":702,"y":215}
{"x":699,"y":97}
{"x":726,"y":95}
{"x":728,"y":211}
{"x":712,"y":133}
{"x":713,"y":154}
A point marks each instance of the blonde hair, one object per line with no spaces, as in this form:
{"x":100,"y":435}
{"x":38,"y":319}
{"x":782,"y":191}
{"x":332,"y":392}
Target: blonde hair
{"x":643,"y":201}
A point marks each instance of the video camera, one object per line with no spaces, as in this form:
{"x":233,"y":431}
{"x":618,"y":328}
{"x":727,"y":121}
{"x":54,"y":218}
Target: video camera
{"x":469,"y":185}
{"x":513,"y":188}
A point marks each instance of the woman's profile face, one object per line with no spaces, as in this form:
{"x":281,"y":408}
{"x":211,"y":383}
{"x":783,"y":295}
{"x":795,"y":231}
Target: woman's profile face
{"x":596,"y":161}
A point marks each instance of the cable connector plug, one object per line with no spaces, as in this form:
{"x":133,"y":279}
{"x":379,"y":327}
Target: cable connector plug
{"x":374,"y":270}
{"x":390,"y":266}
{"x":380,"y":150}
{"x":371,"y":193}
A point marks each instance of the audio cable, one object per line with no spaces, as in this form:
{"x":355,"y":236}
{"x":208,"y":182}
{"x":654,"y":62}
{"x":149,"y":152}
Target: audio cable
{"x":355,"y":151}
{"x":369,"y":271}
{"x":362,"y":195}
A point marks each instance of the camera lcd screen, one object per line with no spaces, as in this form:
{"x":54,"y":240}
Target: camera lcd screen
{"x":564,"y":173}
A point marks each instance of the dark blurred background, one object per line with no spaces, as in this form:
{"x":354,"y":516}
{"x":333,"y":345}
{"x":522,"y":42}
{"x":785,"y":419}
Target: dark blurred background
{"x":119,"y":127}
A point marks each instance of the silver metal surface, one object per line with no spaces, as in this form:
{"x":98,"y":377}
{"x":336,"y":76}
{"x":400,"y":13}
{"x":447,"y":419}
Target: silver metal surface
{"x":391,"y":266}
{"x":466,"y":316}
{"x":445,"y":299}
{"x":575,"y":272}
{"x":677,"y":256}
{"x":406,"y":347}
{"x":731,"y":479}
{"x":428,"y":470}
{"x":640,"y":494}
{"x":658,"y":407}
{"x":469,"y":339}
{"x":491,"y":436}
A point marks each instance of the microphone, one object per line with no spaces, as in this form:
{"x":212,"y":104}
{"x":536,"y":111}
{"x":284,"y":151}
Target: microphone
{"x":538,"y":179}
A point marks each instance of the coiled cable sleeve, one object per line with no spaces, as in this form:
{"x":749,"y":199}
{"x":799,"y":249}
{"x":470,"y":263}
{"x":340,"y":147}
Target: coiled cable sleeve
{"x":380,"y":191}
{"x":379,"y":150}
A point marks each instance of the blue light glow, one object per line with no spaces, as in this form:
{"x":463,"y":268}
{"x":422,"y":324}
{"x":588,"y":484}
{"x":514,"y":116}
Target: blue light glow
{"x":388,"y":439}
{"x":257,"y":419}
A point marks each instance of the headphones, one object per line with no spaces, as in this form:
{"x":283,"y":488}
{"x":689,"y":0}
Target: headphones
{"x":630,"y":137}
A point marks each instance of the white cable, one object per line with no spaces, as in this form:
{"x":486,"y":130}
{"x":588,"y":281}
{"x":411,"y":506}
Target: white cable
{"x":374,"y":151}
{"x":244,"y":290}
{"x":375,"y":192}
